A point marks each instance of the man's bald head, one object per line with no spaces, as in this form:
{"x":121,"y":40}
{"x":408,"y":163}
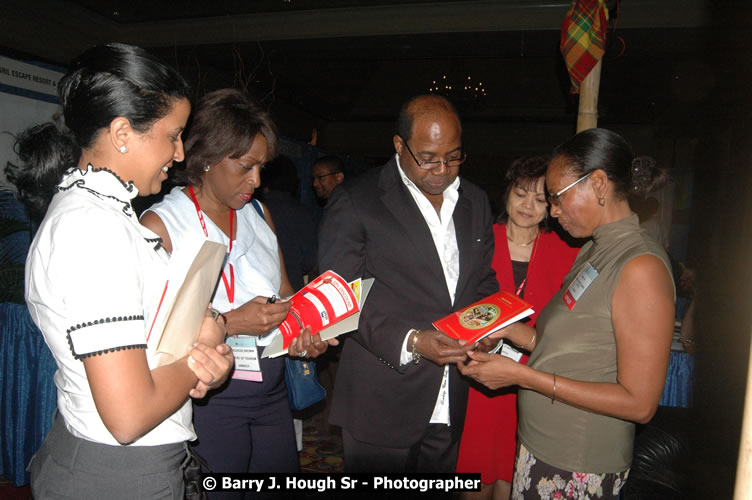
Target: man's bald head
{"x":423,"y":106}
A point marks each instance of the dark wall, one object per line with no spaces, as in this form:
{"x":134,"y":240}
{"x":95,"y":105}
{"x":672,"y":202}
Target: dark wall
{"x":721,"y":244}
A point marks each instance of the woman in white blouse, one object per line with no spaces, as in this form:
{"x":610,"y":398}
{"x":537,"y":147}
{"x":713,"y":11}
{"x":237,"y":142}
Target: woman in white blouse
{"x":94,"y":274}
{"x":244,"y":425}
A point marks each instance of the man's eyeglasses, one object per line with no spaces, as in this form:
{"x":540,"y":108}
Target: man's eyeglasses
{"x":553,"y":199}
{"x":319,"y":177}
{"x":452,"y":162}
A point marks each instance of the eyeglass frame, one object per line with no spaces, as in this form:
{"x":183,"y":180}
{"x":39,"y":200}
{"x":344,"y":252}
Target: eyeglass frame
{"x":553,"y":199}
{"x":436,"y":163}
{"x":319,"y":177}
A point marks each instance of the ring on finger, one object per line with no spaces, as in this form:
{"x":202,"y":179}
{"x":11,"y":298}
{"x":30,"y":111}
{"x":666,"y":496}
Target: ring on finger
{"x":213,"y":381}
{"x":302,"y":354}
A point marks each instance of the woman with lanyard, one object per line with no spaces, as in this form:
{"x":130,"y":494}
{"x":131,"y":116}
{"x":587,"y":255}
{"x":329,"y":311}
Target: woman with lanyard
{"x":600,"y":348}
{"x":245,"y":425}
{"x":531,"y":261}
{"x":94,"y":274}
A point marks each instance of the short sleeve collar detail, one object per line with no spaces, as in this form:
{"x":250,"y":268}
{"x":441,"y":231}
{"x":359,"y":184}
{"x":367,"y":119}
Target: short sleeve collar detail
{"x":102,"y":183}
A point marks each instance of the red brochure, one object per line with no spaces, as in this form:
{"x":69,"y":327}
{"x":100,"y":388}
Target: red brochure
{"x":484,"y":317}
{"x":324,"y":301}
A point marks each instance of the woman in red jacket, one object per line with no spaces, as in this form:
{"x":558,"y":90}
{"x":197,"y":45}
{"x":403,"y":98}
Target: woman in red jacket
{"x":531,"y":261}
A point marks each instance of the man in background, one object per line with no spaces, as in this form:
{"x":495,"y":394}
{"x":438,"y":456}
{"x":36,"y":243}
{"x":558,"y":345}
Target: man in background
{"x":294,"y":223}
{"x":327,"y":173}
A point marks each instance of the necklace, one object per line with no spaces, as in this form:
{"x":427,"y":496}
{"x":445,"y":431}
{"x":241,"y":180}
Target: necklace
{"x":523,"y":244}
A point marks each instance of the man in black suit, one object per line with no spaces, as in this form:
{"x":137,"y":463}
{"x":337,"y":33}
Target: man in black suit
{"x":426,"y":237}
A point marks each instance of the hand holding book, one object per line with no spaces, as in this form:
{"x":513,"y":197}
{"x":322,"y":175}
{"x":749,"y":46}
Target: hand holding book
{"x":484,"y":317}
{"x":440,"y":348}
{"x":493,"y":371}
{"x":257,"y":317}
{"x":306,"y":345}
{"x":328,"y":304}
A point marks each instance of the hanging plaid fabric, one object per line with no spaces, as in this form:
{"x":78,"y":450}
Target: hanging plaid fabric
{"x":583,"y":38}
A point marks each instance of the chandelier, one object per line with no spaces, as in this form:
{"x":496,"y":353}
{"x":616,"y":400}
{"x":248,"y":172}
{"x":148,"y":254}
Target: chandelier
{"x":463,"y":89}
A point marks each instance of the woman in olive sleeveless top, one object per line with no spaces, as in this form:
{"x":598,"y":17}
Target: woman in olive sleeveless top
{"x":601,"y":346}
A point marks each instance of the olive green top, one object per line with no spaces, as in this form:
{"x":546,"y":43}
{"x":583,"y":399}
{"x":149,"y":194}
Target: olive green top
{"x":580,"y":344}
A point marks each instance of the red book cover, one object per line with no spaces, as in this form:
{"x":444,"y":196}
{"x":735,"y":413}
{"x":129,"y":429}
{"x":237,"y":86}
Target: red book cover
{"x":484,"y":317}
{"x":321,"y":303}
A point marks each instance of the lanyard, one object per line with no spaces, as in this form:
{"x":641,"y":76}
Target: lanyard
{"x":522,"y":285}
{"x":229,"y":287}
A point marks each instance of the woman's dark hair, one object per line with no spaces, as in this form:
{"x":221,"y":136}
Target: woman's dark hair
{"x":103,"y":83}
{"x":225,"y":123}
{"x":598,"y":148}
{"x":524,"y":172}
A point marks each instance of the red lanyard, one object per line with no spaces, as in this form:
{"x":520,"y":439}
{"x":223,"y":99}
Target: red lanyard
{"x":229,"y":287}
{"x":522,"y":285}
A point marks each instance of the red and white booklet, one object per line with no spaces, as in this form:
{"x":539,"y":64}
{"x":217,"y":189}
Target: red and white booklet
{"x":329,"y":304}
{"x":484,"y":317}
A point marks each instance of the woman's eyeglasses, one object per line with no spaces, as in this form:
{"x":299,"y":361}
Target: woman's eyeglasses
{"x":553,"y":199}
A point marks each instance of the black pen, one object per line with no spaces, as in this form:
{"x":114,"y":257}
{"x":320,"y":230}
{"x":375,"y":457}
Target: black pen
{"x":272,"y":299}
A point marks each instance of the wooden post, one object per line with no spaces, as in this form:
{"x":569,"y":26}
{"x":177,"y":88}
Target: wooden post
{"x":743,"y":489}
{"x":587,"y":115}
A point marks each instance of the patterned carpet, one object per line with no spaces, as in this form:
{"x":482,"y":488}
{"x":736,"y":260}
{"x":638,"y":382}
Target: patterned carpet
{"x":322,"y":449}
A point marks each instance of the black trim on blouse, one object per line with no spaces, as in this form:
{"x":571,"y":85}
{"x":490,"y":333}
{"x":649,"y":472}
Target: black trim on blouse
{"x":81,"y":183}
{"x":157,"y":242}
{"x":99,"y":322}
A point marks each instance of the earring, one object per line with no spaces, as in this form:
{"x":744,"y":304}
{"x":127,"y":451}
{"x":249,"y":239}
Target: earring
{"x":123,"y":149}
{"x":602,"y":202}
{"x":207,"y":168}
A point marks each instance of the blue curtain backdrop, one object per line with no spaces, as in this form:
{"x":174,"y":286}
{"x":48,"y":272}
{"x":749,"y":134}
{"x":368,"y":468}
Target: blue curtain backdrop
{"x":28,"y":399}
{"x":28,"y":395}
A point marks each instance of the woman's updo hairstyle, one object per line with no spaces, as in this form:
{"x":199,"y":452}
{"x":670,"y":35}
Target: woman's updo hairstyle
{"x":103,"y":83}
{"x":224,"y":124}
{"x":598,"y":148}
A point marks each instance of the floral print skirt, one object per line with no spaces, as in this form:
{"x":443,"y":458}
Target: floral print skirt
{"x":534,"y":479}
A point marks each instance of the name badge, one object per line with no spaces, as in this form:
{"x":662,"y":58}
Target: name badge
{"x":510,"y":352}
{"x":247,"y":366}
{"x":581,"y":283}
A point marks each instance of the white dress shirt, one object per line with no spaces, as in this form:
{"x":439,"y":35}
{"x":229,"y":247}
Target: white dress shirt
{"x":444,"y":237}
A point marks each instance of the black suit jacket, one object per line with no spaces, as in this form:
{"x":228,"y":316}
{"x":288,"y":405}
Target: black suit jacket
{"x":373,"y":228}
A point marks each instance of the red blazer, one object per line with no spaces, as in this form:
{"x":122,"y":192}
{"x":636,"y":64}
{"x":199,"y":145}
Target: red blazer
{"x":549,"y":263}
